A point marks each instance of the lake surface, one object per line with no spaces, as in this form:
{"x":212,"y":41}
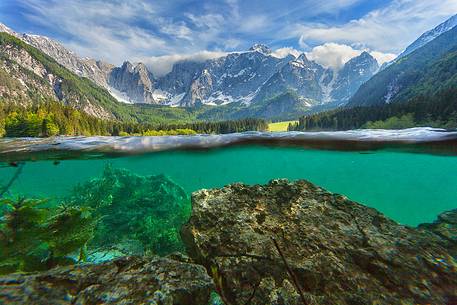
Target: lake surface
{"x":411,"y":176}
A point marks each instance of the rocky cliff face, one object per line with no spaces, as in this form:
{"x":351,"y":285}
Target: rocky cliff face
{"x":295,"y":243}
{"x":129,"y":280}
{"x":28,"y":77}
{"x":134,"y":81}
{"x":27,"y":80}
{"x":96,"y":71}
{"x":22,"y":75}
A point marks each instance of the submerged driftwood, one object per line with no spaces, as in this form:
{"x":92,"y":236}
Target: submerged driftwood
{"x":339,"y":251}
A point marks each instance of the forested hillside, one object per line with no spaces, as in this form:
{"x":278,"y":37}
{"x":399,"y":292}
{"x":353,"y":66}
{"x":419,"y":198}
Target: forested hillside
{"x":53,"y":118}
{"x":439,"y":110}
{"x":423,"y":72}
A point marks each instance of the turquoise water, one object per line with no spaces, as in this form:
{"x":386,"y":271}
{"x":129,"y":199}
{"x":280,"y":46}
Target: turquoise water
{"x":411,"y":188}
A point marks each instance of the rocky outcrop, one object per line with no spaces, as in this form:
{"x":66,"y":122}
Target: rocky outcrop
{"x":135,"y":81}
{"x":446,"y":228}
{"x":295,"y":243}
{"x":129,"y":280}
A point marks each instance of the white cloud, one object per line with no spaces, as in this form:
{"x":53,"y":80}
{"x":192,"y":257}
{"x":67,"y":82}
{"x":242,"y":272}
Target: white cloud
{"x":99,"y":29}
{"x":389,"y":29}
{"x":161,"y":65}
{"x":334,"y":55}
{"x":176,"y":30}
{"x":383,"y":57}
{"x":284,"y":52}
{"x":135,"y":30}
{"x":254,"y":24}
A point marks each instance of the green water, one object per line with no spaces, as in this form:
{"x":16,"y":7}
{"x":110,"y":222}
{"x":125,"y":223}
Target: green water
{"x":410,"y":188}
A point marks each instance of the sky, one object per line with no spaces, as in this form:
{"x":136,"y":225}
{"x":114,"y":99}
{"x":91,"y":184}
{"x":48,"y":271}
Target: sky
{"x":160,"y":32}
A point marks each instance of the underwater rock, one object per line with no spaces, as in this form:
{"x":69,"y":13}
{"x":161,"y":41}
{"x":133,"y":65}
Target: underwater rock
{"x":295,"y":243}
{"x":445,"y":227}
{"x":129,"y":280}
{"x":138,"y":214}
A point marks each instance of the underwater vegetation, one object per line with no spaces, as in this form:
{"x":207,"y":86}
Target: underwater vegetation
{"x":35,"y":237}
{"x":117,"y":214}
{"x":138,"y":214}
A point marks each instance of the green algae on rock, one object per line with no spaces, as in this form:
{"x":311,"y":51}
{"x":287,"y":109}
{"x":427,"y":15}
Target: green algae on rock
{"x":138,"y":214}
{"x":127,"y":280}
{"x":341,"y":252}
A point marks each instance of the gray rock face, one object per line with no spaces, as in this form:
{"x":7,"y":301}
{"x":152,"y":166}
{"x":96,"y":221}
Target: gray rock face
{"x":96,"y":71}
{"x":41,"y":82}
{"x":298,"y":75}
{"x":445,"y":227}
{"x":129,"y":280}
{"x":355,"y":72}
{"x":337,"y":251}
{"x":136,"y":82}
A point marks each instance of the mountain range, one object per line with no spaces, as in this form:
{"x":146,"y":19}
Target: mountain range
{"x":252,"y":83}
{"x":246,"y":78}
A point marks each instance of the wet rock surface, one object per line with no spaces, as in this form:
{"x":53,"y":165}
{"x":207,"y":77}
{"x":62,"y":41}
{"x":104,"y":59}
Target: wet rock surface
{"x":338,"y":251}
{"x":129,"y":280}
{"x":446,"y":228}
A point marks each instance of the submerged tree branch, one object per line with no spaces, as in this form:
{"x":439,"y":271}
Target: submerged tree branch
{"x":13,"y":179}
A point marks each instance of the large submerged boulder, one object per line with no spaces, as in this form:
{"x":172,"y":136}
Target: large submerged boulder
{"x":295,"y":243}
{"x":129,"y":280}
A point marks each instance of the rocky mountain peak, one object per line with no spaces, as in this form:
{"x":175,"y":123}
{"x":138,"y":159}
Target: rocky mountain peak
{"x":141,"y":67}
{"x":354,"y":73}
{"x":302,"y":58}
{"x":261,"y":48}
{"x":4,"y":28}
{"x":127,"y":66}
{"x":143,"y":70}
{"x":365,"y":54}
{"x":364,"y":61}
{"x":134,"y":82}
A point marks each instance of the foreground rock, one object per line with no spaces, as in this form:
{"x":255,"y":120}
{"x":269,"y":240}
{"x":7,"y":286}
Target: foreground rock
{"x":130,"y":280}
{"x":338,"y":251}
{"x":445,"y":227}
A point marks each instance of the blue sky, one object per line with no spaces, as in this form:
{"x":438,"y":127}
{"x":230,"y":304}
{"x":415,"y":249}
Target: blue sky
{"x":165,"y":31}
